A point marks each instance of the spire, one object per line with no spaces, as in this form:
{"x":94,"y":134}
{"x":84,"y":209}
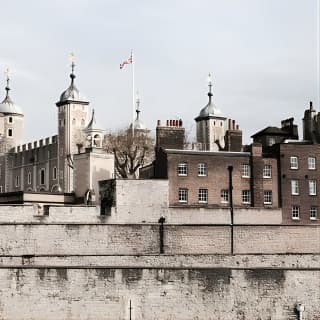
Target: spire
{"x":138,"y":105}
{"x":71,"y":93}
{"x":72,"y":75}
{"x":210,"y":87}
{"x":137,"y":124}
{"x":7,"y":98}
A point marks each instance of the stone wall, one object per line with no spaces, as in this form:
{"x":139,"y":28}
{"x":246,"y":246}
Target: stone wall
{"x":158,"y":293}
{"x":72,"y":264}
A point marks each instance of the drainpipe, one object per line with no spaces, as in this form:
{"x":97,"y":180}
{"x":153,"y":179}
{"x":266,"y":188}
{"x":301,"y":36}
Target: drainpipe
{"x":230,"y":168}
{"x":162,"y":220}
{"x":130,"y":310}
{"x":300,"y":308}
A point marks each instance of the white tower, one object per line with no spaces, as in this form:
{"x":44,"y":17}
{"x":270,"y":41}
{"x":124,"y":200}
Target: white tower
{"x":211,"y":125}
{"x":11,"y":121}
{"x":72,"y":118}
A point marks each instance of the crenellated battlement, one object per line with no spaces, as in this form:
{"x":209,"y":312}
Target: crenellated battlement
{"x":36,"y":144}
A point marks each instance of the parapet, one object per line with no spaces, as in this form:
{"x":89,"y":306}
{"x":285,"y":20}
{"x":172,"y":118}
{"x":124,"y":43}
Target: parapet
{"x":36,"y":144}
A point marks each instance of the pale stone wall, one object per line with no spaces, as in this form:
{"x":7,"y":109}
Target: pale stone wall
{"x":71,"y":264}
{"x":84,"y":238}
{"x":176,"y":294}
{"x":150,"y":199}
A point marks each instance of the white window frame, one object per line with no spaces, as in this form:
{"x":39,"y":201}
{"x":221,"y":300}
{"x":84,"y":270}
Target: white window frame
{"x":10,"y":117}
{"x":182,"y":169}
{"x":183,"y":195}
{"x":267,"y":171}
{"x":313,"y":212}
{"x":224,"y":195}
{"x":245,"y":170}
{"x":295,"y":187}
{"x":295,"y":212}
{"x":312,"y":187}
{"x":267,"y":197}
{"x":29,"y":178}
{"x":246,"y":197}
{"x":294,"y":163}
{"x":203,"y":195}
{"x":271,"y":141}
{"x":54,"y":173}
{"x":311,"y":163}
{"x":202,"y":169}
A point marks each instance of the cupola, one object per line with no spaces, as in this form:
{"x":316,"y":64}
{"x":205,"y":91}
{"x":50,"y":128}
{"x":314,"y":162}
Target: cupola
{"x":7,"y":106}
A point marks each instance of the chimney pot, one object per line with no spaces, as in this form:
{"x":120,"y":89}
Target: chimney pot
{"x":158,"y":123}
{"x":167,"y":123}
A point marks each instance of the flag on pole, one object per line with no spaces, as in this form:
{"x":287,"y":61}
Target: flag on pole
{"x":128,"y":61}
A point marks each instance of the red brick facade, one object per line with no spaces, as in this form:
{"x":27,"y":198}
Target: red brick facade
{"x":216,"y":178}
{"x":304,"y":173}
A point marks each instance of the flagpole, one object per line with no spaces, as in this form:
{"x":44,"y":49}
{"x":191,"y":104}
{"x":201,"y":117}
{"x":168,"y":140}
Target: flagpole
{"x":133,"y":97}
{"x":318,"y":51}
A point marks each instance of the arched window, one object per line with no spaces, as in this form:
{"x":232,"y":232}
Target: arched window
{"x":42,"y":176}
{"x":29,"y":177}
{"x":97,"y":141}
{"x":54,"y":173}
{"x":74,"y":121}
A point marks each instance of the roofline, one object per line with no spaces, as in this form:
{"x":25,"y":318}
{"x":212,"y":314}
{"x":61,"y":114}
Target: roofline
{"x":61,"y":103}
{"x":210,"y":153}
{"x":198,"y":118}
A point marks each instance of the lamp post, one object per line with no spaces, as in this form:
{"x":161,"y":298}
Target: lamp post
{"x":230,"y":169}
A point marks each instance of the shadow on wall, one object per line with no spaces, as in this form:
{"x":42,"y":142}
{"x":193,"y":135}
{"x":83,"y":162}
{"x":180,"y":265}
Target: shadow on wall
{"x":107,"y":192}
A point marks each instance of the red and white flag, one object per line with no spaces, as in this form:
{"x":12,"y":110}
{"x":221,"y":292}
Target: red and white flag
{"x":128,"y":61}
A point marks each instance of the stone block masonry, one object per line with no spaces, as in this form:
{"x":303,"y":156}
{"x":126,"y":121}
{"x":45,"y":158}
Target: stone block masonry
{"x":72,"y":264}
{"x":183,"y":294}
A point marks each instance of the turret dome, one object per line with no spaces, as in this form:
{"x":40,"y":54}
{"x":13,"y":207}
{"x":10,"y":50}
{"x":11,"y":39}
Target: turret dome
{"x":137,"y":123}
{"x":210,"y":110}
{"x":72,"y":93}
{"x":7,"y":106}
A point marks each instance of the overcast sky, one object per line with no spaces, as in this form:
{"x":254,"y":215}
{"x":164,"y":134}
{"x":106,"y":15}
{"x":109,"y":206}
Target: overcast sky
{"x":262,"y":55}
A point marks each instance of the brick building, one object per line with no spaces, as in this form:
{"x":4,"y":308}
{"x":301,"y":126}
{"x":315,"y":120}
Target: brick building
{"x":275,"y":171}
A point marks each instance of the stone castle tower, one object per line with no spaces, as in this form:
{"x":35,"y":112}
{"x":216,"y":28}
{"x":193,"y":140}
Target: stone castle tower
{"x":73,"y":113}
{"x":211,"y":125}
{"x":11,"y":122}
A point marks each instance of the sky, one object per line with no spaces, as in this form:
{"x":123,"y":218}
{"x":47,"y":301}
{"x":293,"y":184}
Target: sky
{"x":263,"y":56}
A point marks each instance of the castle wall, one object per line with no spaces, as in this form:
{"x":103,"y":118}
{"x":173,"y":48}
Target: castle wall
{"x":210,"y":293}
{"x":70,"y":264}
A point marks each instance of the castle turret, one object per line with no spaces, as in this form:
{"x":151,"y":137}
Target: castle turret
{"x":72,"y":118}
{"x":11,"y":121}
{"x":94,"y":134}
{"x":211,"y":125}
{"x":137,"y":123}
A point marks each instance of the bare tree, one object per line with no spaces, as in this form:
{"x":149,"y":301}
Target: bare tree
{"x":80,"y":138}
{"x":130,"y":152}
